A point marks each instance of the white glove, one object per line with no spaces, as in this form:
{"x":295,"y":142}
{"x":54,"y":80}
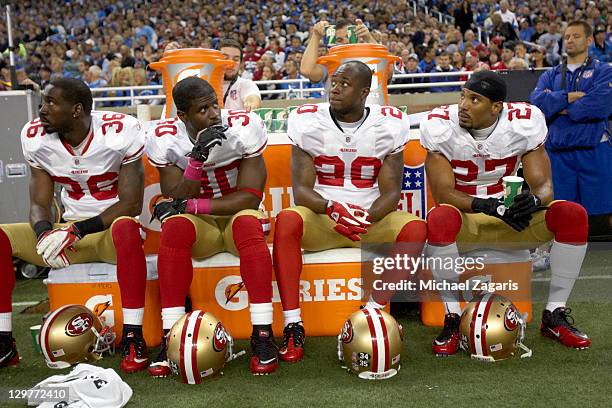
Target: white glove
{"x":53,"y":243}
{"x":60,"y":261}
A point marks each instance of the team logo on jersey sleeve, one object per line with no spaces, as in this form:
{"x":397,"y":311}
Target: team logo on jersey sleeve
{"x":414,"y":191}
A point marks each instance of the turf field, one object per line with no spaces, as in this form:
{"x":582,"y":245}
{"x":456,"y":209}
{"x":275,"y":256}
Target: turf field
{"x":554,"y":376}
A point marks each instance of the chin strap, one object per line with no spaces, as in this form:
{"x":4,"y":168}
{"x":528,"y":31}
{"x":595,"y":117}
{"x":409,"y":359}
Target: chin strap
{"x":527,"y":351}
{"x":229,"y":354}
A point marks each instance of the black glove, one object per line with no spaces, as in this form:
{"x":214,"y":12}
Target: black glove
{"x":207,"y":139}
{"x":495,"y":208}
{"x":168,"y":207}
{"x":524,"y":205}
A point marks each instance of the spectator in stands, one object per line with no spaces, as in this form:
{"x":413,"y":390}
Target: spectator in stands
{"x":550,"y":41}
{"x":520,"y":51}
{"x":94,"y":77}
{"x":540,"y":29}
{"x":458,"y":61}
{"x":126,"y":57}
{"x":577,"y":112}
{"x":296,"y":45}
{"x":278,"y":55}
{"x":464,"y":18}
{"x":526,"y":30}
{"x":507,"y":15}
{"x":309,"y":67}
{"x":601,"y":48}
{"x":444,"y":65}
{"x":502,"y":29}
{"x":507,"y":53}
{"x":238,"y":93}
{"x":292,"y":72}
{"x":517,"y":64}
{"x":410,"y":66}
{"x":495,"y":62}
{"x":537,"y":59}
{"x":57,"y":68}
{"x":428,"y":63}
{"x":269,"y":74}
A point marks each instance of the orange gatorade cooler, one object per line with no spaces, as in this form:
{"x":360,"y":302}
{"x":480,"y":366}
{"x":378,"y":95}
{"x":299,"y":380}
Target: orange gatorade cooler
{"x":330,"y":290}
{"x":509,"y":272}
{"x":175,"y":65}
{"x":377,"y":57}
{"x":95,"y":286}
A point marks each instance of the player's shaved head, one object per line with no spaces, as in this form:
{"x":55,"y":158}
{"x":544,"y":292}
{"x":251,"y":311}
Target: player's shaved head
{"x":74,"y":91}
{"x":190,"y":89}
{"x":362,"y":73}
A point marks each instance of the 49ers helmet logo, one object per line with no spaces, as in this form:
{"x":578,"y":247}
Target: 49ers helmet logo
{"x":219,"y":338}
{"x":511,"y":319}
{"x":347,"y":332}
{"x":79,"y":324}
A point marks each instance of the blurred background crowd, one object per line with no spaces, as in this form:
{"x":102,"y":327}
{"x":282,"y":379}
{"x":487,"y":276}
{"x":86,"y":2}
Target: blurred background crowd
{"x":110,"y":43}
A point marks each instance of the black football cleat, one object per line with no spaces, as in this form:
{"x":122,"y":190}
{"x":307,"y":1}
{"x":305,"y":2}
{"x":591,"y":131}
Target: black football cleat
{"x":447,"y":343}
{"x":265,"y":352}
{"x":8,"y":352}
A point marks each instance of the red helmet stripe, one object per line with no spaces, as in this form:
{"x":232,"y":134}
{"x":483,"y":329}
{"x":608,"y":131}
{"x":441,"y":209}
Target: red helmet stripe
{"x":385,"y":336}
{"x":374,"y":339}
{"x":194,"y":346}
{"x":45,"y":332}
{"x":483,"y":330}
{"x":473,"y":327}
{"x":182,"y":349}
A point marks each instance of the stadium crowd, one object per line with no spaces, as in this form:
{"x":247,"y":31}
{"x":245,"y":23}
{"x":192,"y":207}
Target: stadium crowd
{"x":111,"y":43}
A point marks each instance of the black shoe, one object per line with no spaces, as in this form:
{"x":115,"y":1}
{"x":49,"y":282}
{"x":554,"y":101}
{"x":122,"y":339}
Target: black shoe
{"x":134,"y":354}
{"x":8,"y":352}
{"x":447,"y":342}
{"x":265,"y":351}
{"x":294,"y":336}
{"x":161,"y":367}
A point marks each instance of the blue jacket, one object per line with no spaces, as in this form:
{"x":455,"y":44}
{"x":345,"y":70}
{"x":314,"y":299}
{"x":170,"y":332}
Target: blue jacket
{"x":587,"y":118}
{"x":605,"y":54}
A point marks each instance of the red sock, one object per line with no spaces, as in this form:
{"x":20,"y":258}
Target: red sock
{"x":174,"y":261}
{"x":411,"y":239}
{"x":131,"y":264}
{"x":7,"y":274}
{"x":569,"y":222}
{"x":288,"y":257}
{"x":255,"y":259}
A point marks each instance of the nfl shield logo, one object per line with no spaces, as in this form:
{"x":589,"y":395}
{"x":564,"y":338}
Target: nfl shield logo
{"x":233,"y":94}
{"x":414,"y":191}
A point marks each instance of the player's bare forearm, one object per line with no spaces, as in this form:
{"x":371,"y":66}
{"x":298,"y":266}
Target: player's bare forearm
{"x":390,"y":186}
{"x":173,"y":184}
{"x":303,"y":178}
{"x":130,"y":192}
{"x":537,"y":173}
{"x":442,"y":183}
{"x":41,"y":196}
{"x":308,"y":66}
{"x":250,"y":184}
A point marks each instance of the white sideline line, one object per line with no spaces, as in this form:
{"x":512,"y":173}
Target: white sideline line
{"x":592,"y":277}
{"x":29,"y":303}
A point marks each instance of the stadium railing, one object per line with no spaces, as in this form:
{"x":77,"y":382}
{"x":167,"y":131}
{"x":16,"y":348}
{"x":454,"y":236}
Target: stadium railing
{"x":301,"y":92}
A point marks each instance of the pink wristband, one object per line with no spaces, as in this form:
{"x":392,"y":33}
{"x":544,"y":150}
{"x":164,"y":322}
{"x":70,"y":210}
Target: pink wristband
{"x":198,"y":206}
{"x":193,"y":171}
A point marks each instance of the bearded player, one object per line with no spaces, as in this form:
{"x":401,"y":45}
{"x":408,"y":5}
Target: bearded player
{"x":347,"y":166}
{"x":471,"y":146}
{"x":210,"y":163}
{"x":96,"y":158}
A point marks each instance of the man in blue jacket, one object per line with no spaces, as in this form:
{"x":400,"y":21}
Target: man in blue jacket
{"x":601,"y":48}
{"x":577,"y":102}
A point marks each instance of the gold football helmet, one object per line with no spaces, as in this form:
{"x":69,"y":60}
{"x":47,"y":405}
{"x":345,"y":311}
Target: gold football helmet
{"x":198,"y":347}
{"x":492,"y":328}
{"x":370,"y":344}
{"x":73,"y":334}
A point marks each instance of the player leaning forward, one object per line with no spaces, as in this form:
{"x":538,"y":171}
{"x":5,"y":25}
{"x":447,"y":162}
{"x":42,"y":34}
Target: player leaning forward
{"x":210,"y":163}
{"x":346,"y":166}
{"x":96,"y":158}
{"x":471,"y":146}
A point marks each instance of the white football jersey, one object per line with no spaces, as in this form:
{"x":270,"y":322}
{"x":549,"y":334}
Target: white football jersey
{"x":480,"y":165}
{"x":168,"y":145}
{"x":347,"y":163}
{"x":89,"y":179}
